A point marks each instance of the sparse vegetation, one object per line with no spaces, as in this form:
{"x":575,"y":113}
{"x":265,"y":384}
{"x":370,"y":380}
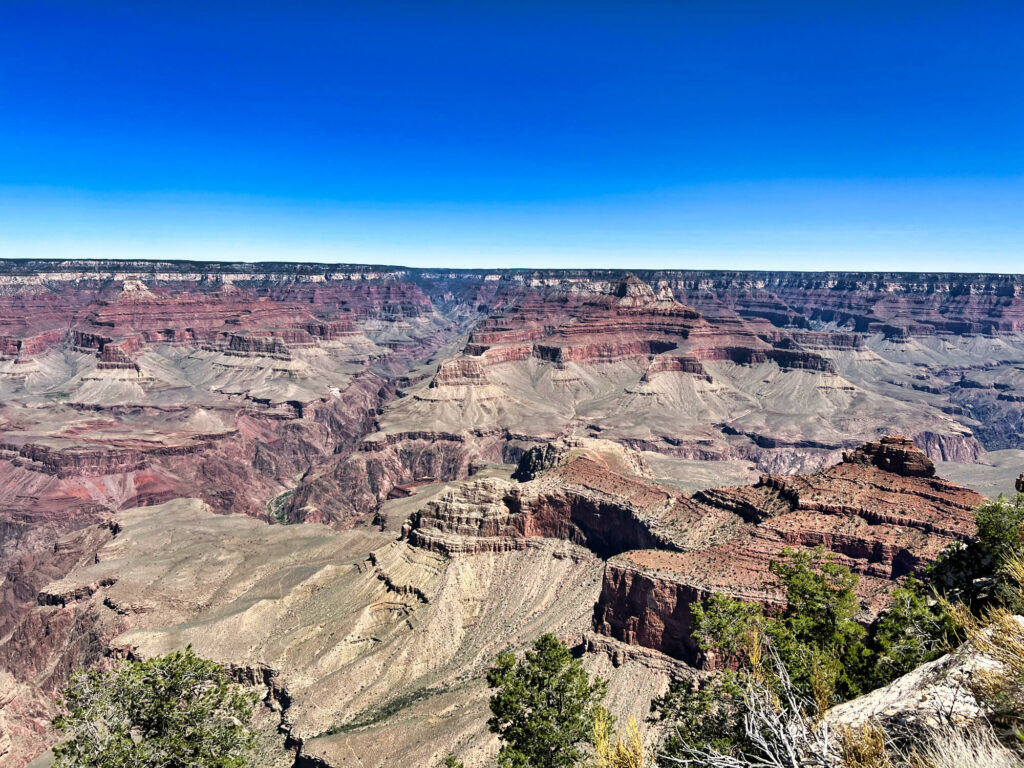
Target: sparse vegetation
{"x":779,"y":727}
{"x":975,"y":573}
{"x":611,"y":751}
{"x":706,"y":715}
{"x":952,"y":747}
{"x":374,"y":716}
{"x":544,"y":707}
{"x":173,"y":711}
{"x":278,"y":506}
{"x":999,"y":634}
{"x":817,"y":640}
{"x":815,"y":636}
{"x":865,"y":747}
{"x":785,"y":670}
{"x":916,"y":628}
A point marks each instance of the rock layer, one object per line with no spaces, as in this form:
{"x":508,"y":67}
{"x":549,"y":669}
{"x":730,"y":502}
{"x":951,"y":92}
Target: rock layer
{"x":880,"y":511}
{"x":312,"y":393}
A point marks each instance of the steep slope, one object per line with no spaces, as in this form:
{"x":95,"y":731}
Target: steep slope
{"x":377,"y":640}
{"x":619,"y":359}
{"x":313,"y":393}
{"x":880,"y":511}
{"x":117,"y":391}
{"x":376,"y":649}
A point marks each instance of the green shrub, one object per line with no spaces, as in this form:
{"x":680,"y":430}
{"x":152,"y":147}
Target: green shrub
{"x":916,"y":628}
{"x":173,"y":711}
{"x":728,"y":629}
{"x":816,"y":637}
{"x":974,"y":573}
{"x":704,"y":715}
{"x":544,"y":706}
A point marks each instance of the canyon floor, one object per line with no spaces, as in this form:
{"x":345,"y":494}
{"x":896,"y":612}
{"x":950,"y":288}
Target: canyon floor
{"x":355,"y":486}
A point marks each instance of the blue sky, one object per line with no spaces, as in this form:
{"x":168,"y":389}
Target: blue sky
{"x":817,"y":135}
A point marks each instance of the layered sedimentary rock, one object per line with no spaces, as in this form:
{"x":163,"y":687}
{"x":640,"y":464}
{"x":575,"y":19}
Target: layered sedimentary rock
{"x":785,"y":371}
{"x":900,"y":305}
{"x":580,"y":490}
{"x":312,"y":393}
{"x":880,"y":511}
{"x":623,"y":359}
{"x":119,"y":390}
{"x":369,"y":652}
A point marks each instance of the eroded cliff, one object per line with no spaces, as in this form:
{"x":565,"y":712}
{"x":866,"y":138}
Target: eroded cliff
{"x":313,"y":393}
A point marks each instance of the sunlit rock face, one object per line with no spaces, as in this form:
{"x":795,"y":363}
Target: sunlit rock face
{"x":339,"y":627}
{"x":880,"y":511}
{"x":357,"y":396}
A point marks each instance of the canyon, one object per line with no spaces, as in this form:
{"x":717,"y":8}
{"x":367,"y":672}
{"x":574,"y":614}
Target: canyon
{"x":356,"y":485}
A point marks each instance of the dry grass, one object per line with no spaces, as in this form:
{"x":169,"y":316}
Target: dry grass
{"x":999,"y":634}
{"x":617,"y":752}
{"x":786,"y":735}
{"x":864,"y":747}
{"x":954,"y":747}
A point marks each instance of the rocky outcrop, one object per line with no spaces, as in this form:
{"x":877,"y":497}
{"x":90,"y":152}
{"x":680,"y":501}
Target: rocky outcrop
{"x":351,"y":484}
{"x":675,"y":364}
{"x":61,"y":594}
{"x":463,"y":371}
{"x":74,"y":461}
{"x":559,"y":453}
{"x":896,"y":454}
{"x":915,"y":304}
{"x":645,"y":600}
{"x":578,"y":490}
{"x":880,"y":511}
{"x":404,"y":637}
{"x":135,"y":386}
{"x":629,"y":358}
{"x":937,"y":693}
{"x":311,"y":392}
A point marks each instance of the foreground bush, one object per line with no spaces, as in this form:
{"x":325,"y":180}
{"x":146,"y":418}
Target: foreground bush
{"x":777,"y":727}
{"x":173,"y":711}
{"x":815,"y":637}
{"x":767,"y":710}
{"x":612,"y":751}
{"x":974,"y":573}
{"x":544,"y":707}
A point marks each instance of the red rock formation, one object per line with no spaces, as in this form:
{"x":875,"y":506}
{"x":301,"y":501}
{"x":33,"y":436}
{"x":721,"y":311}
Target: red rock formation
{"x":131,"y":383}
{"x":646,"y":597}
{"x":894,"y":454}
{"x":583,"y":501}
{"x":675,"y":364}
{"x":130,"y":389}
{"x":898,"y":305}
{"x":880,"y":511}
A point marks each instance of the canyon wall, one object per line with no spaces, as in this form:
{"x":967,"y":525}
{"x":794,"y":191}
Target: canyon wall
{"x":294,"y":393}
{"x":880,"y":511}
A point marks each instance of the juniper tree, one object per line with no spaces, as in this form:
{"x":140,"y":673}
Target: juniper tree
{"x":544,"y":706}
{"x":173,"y":711}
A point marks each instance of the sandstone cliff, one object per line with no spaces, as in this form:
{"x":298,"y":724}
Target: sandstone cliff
{"x":880,"y":511}
{"x":311,"y":393}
